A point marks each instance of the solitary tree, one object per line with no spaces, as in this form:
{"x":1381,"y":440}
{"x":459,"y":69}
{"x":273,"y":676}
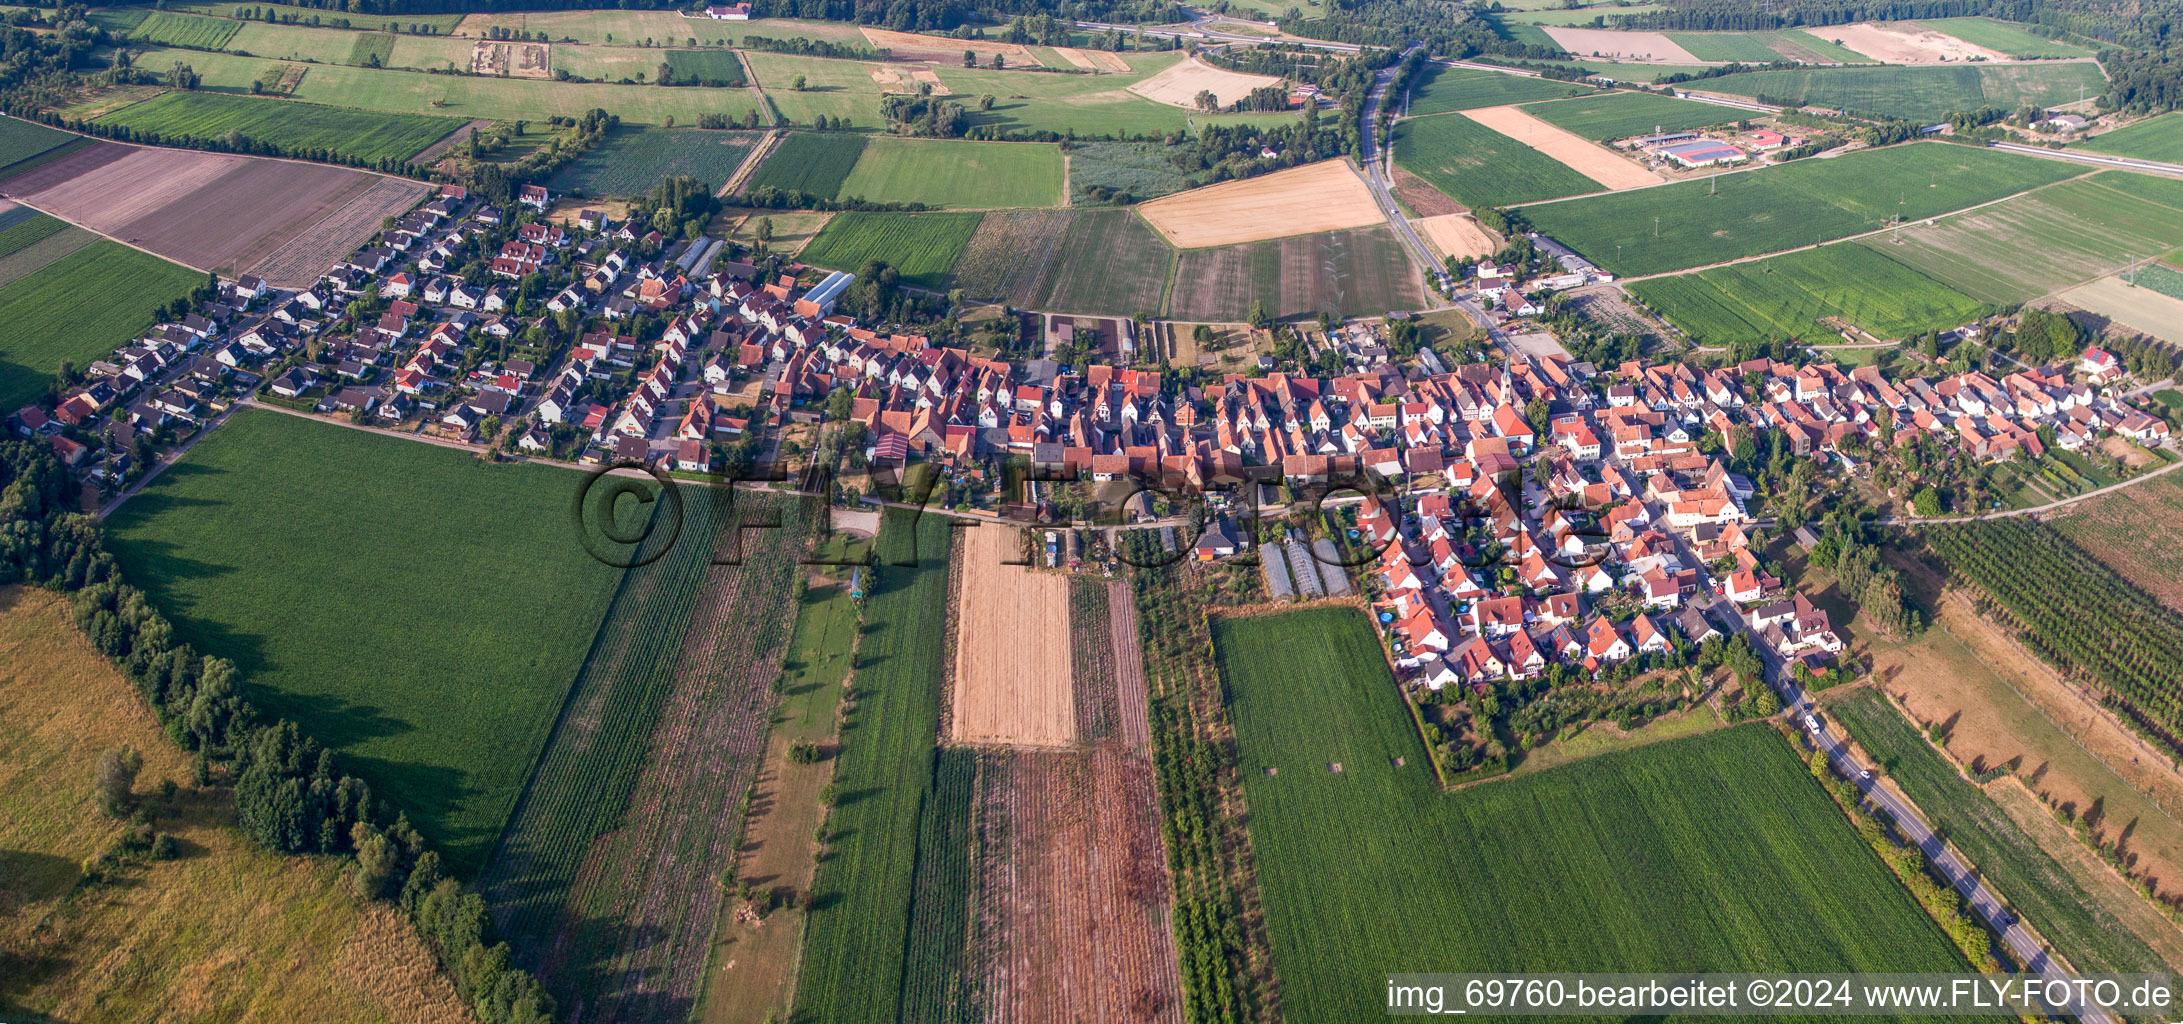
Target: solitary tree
{"x":116,"y":779}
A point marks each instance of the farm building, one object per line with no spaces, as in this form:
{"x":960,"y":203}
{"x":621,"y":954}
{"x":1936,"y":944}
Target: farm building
{"x":1766,"y":140}
{"x":728,"y":12}
{"x":1649,"y":141}
{"x":1703,"y":154}
{"x":819,"y":301}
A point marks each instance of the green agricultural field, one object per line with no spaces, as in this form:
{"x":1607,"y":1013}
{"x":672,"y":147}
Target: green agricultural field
{"x":1516,"y":32}
{"x":632,"y":160}
{"x":1675,"y":227}
{"x":442,"y":23}
{"x":20,"y":140}
{"x":170,"y":29}
{"x":261,"y":553}
{"x":300,"y":42}
{"x":1620,"y":72}
{"x":1925,"y":93}
{"x":1141,"y":170}
{"x":1712,"y":853}
{"x":854,"y":946}
{"x":1360,"y":272}
{"x":2035,"y":885}
{"x":1820,"y":45}
{"x":2156,"y":138}
{"x":45,"y":322}
{"x":1073,"y":261}
{"x":1477,"y":166}
{"x":372,"y":49}
{"x":2081,"y":230}
{"x":1442,"y":89}
{"x":1619,"y":115}
{"x":809,"y":162}
{"x":706,"y":67}
{"x":955,"y":173}
{"x":179,"y":117}
{"x":464,"y":96}
{"x":922,"y":247}
{"x":2005,"y":37}
{"x":22,"y":227}
{"x":1787,"y":296}
{"x":1747,"y":47}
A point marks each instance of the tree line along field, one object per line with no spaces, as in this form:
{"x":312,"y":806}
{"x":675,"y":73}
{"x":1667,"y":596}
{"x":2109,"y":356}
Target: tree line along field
{"x":259,"y":553}
{"x":49,"y":318}
{"x":288,"y":940}
{"x":1478,"y":167}
{"x":1682,"y":225}
{"x":1106,"y":262}
{"x":1786,"y":296}
{"x":183,"y":118}
{"x":1622,"y":114}
{"x":2081,"y":229}
{"x":630,"y":160}
{"x":2155,"y":138}
{"x":1443,"y":89}
{"x":855,"y":947}
{"x":1648,"y":859}
{"x":2068,"y":916}
{"x":922,"y":247}
{"x":606,"y":879}
{"x":1924,"y":93}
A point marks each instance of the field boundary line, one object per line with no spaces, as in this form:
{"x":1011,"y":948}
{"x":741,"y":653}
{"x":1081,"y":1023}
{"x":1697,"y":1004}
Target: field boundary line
{"x":749,"y":168}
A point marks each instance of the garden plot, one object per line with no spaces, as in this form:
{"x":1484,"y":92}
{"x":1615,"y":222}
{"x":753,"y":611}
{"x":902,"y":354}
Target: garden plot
{"x":1012,"y":666}
{"x":1324,"y":196}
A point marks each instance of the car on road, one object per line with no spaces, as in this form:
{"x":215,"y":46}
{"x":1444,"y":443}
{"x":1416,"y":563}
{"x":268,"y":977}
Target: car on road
{"x":1865,"y":775}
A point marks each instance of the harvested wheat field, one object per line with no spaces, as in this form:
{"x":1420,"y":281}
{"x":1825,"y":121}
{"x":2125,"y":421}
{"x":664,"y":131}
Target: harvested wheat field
{"x":225,"y":932}
{"x":1457,"y":235}
{"x":1181,"y":83}
{"x":1574,"y":151}
{"x":1092,"y":60}
{"x":1603,"y":42}
{"x":1325,"y":196}
{"x":1012,"y":672}
{"x":911,"y":46}
{"x":2139,"y":309}
{"x":1894,"y":45}
{"x":285,"y":219}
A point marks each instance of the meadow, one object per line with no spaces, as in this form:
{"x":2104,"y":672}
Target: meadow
{"x":811,"y":162}
{"x":465,"y":96}
{"x":706,"y":67}
{"x":1443,"y":89}
{"x":170,"y":29}
{"x":1358,"y":272}
{"x":440,"y":698}
{"x":922,"y":247}
{"x":266,"y":939}
{"x":2155,"y":138}
{"x":2005,"y":37}
{"x":1636,"y":860}
{"x":1926,"y":92}
{"x":2028,"y":877}
{"x":1622,"y":114}
{"x":958,"y":174}
{"x":1784,"y":297}
{"x":1477,"y":166}
{"x":442,"y":23}
{"x":1678,"y":226}
{"x":2082,"y":229}
{"x":45,"y":322}
{"x":632,"y":160}
{"x":1141,"y":170}
{"x":180,"y":117}
{"x":856,"y":938}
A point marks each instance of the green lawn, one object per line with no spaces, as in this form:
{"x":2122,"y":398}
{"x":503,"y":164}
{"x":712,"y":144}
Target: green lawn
{"x":922,"y":247}
{"x":1713,"y":853}
{"x":954,"y":173}
{"x":419,"y":610}
{"x":1477,"y":166}
{"x":464,"y":96}
{"x":1621,"y":114}
{"x":2155,"y":138}
{"x":45,"y":319}
{"x":1673,"y":227}
{"x":2038,"y":887}
{"x":180,"y":117}
{"x":1926,"y":92}
{"x":1442,"y":89}
{"x":1786,"y":296}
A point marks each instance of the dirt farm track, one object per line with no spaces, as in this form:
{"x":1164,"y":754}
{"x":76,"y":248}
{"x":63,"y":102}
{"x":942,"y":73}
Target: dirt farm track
{"x":216,"y":211}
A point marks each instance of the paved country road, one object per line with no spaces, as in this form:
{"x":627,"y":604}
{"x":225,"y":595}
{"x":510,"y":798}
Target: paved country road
{"x":1378,"y":178}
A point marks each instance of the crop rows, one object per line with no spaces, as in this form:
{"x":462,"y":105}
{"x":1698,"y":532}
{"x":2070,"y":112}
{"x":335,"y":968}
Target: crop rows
{"x":185,"y":30}
{"x":2030,"y":878}
{"x":1731,"y":216}
{"x":656,"y":743}
{"x":2078,"y":614}
{"x":1787,"y":296}
{"x":1442,"y":89}
{"x":922,"y":247}
{"x":633,"y":159}
{"x":20,"y":140}
{"x":706,"y":67}
{"x":183,"y":118}
{"x":936,"y":982}
{"x":1622,"y":114}
{"x":1092,"y":652}
{"x":811,"y":163}
{"x":44,"y":320}
{"x":1478,"y":167}
{"x":1914,"y":92}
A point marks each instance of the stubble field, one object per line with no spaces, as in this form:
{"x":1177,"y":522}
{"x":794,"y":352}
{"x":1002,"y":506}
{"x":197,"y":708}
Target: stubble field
{"x":1480,"y":167}
{"x":1325,"y":196}
{"x":1012,"y":674}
